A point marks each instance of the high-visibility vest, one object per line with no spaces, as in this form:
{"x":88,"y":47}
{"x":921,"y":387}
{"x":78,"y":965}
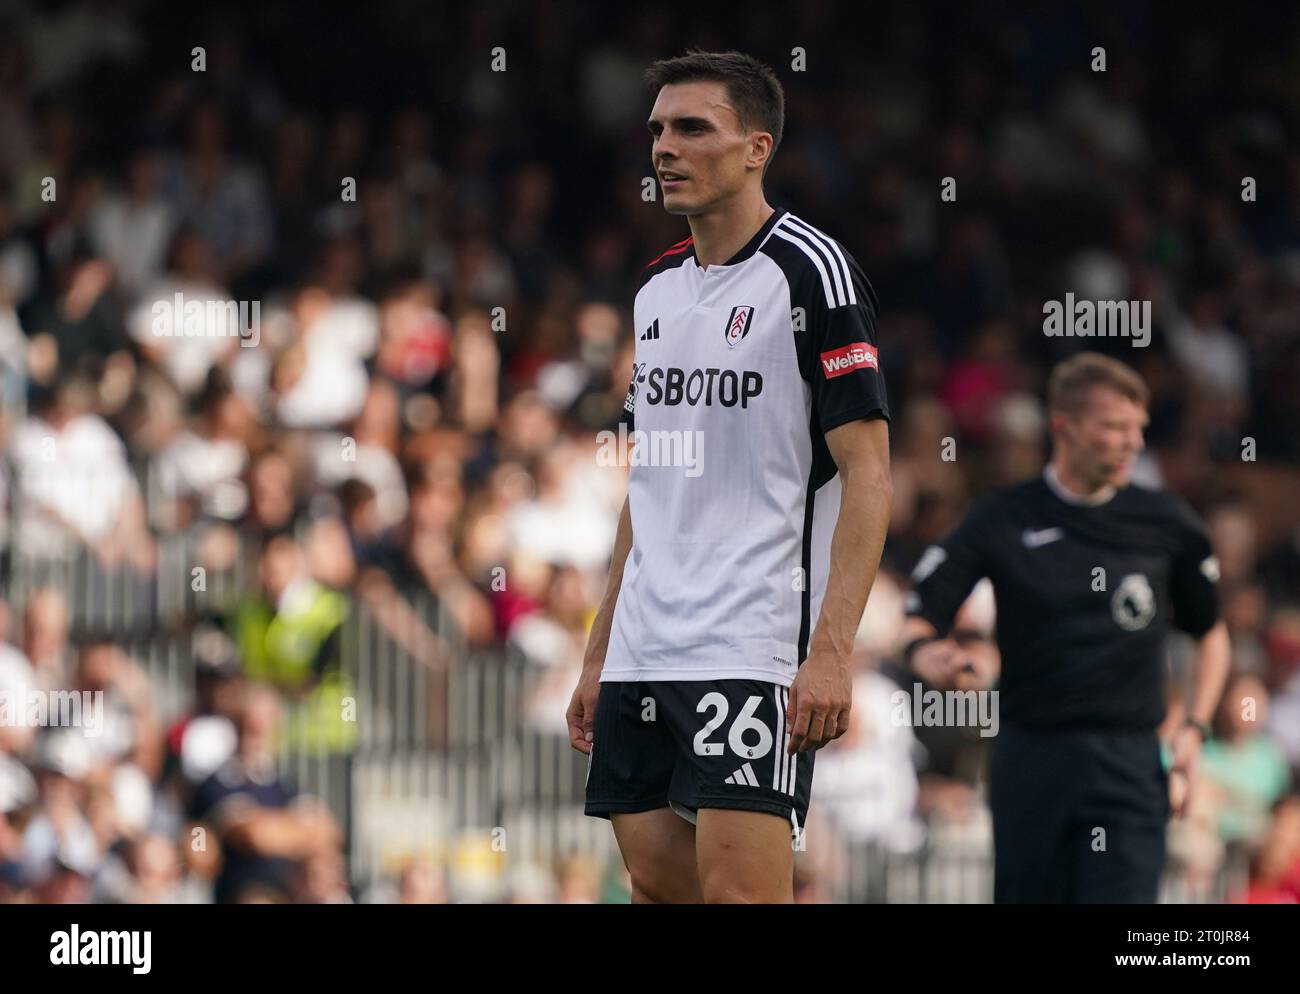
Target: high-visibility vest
{"x":280,"y":648}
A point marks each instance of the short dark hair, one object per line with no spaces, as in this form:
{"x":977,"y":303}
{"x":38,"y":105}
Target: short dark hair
{"x":1072,"y":382}
{"x":751,"y":86}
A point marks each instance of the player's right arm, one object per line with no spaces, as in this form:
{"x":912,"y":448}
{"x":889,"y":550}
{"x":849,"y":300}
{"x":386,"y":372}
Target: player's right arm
{"x":582,"y":707}
{"x":942,"y":580}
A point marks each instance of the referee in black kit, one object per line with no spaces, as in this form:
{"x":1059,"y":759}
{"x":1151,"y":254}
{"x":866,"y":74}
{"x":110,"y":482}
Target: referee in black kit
{"x":1088,"y":572}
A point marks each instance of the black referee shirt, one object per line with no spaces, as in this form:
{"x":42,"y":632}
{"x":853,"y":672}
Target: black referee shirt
{"x":1085,"y":595}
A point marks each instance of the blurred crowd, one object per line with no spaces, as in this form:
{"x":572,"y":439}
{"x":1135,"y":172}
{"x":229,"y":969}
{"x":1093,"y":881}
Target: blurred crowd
{"x":436,"y":262}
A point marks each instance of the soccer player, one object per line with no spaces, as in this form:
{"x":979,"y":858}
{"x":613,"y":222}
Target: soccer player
{"x":718,"y":660}
{"x":1089,"y":572}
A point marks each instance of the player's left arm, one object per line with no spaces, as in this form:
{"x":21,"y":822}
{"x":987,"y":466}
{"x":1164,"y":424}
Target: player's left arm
{"x":821,"y":695}
{"x":839,"y":359}
{"x":1196,"y":611}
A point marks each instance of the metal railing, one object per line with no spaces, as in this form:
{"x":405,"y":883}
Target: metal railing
{"x":446,"y":753}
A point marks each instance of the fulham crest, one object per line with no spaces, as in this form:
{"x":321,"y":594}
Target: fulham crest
{"x":738,"y":324}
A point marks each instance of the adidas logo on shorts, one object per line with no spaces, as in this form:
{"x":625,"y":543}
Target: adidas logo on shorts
{"x":744,"y":777}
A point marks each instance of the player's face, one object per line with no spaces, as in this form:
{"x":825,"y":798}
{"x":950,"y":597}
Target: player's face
{"x":699,"y":152}
{"x":1104,"y":439}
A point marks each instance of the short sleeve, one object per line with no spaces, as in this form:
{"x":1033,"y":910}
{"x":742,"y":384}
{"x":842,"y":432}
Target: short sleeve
{"x":842,"y":357}
{"x":1193,"y":577}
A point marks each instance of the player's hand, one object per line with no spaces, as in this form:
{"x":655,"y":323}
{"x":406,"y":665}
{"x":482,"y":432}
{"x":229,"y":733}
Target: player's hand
{"x":582,"y":709}
{"x":820,"y":699}
{"x":940,"y":663}
{"x":1182,"y":775}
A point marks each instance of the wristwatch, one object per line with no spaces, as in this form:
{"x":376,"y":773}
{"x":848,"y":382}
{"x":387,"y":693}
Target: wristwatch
{"x":1201,"y":727}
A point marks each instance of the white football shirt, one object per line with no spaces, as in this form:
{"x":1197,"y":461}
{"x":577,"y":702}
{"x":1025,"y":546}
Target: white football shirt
{"x":740,"y":369}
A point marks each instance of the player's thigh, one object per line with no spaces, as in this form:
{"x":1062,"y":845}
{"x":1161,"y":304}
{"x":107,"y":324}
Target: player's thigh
{"x":734,"y":777}
{"x":658,"y":850}
{"x":744,"y":856}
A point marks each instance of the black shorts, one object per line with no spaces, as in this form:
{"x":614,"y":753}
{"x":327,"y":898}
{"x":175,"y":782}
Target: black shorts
{"x":1079,"y":817}
{"x":695,"y":744}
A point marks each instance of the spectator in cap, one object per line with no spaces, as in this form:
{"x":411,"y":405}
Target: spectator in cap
{"x":202,"y":739}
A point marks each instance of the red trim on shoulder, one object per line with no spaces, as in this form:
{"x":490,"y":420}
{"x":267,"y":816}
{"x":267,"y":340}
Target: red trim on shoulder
{"x":681,"y":246}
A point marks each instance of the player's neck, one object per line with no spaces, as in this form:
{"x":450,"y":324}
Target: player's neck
{"x":720,"y":234}
{"x":1072,"y":489}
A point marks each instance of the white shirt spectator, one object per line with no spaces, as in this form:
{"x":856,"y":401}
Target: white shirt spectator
{"x":70,"y":485}
{"x":334,"y":382}
{"x":17,"y":683}
{"x":374,"y":465}
{"x":17,"y":785}
{"x":1284,"y":719}
{"x":572,"y":521}
{"x":134,"y":236}
{"x":1213,"y":355}
{"x":557,"y":657}
{"x":74,"y":845}
{"x":569,"y":532}
{"x":17,"y":678}
{"x":13,"y":362}
{"x":866,"y":781}
{"x":17,"y":271}
{"x":209,"y":469}
{"x":186,"y":356}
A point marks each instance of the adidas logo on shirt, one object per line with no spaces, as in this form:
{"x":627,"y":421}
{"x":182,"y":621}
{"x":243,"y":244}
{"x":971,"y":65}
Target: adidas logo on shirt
{"x":652,"y":333}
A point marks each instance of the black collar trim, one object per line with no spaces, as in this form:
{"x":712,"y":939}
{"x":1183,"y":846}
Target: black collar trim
{"x":752,"y":245}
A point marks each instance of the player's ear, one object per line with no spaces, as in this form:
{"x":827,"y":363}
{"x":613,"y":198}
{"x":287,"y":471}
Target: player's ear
{"x":1058,"y":420}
